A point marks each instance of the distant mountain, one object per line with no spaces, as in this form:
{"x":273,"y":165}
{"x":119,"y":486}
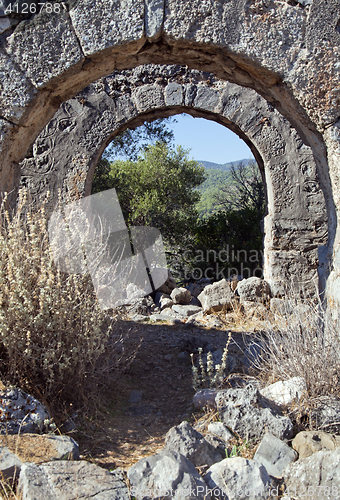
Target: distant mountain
{"x":225,"y":166}
{"x":217,"y":176}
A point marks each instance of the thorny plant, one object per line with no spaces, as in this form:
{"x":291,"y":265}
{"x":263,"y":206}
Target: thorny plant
{"x":54,"y":338}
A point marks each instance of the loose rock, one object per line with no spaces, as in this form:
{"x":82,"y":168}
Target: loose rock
{"x":180,"y":296}
{"x":318,"y":474}
{"x":274,"y":455}
{"x":238,"y":479}
{"x":167,"y":474}
{"x":253,"y":289}
{"x":66,"y":480}
{"x":191,"y":444}
{"x":308,"y":442}
{"x":19,"y":410}
{"x":244,"y":412}
{"x":285,"y":392}
{"x":217,"y":295}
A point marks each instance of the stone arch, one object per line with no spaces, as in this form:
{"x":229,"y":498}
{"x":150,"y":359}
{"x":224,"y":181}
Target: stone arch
{"x":65,"y":153}
{"x":287,"y":51}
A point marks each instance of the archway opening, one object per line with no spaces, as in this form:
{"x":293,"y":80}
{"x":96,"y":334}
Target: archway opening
{"x":198,"y":183}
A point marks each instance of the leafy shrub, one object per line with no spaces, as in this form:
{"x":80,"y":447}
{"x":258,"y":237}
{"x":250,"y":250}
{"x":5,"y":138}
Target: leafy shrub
{"x":53,"y":334}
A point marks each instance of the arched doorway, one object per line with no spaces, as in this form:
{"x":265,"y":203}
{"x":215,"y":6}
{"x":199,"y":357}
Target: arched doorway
{"x":65,"y":154}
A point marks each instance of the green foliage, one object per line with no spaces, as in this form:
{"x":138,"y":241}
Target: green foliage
{"x":209,"y":190}
{"x":128,"y":145}
{"x":159,"y":190}
{"x":231,"y":228}
{"x":131,"y":142}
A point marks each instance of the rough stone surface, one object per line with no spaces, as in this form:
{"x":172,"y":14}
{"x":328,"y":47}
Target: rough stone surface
{"x":166,"y":474}
{"x":162,"y":300}
{"x":168,"y":285}
{"x":244,"y":412}
{"x":186,"y":310}
{"x":65,"y":480}
{"x":140,"y":306}
{"x":274,"y":455}
{"x":308,"y":442}
{"x":180,"y":296}
{"x":65,"y":154}
{"x":45,"y":59}
{"x":215,"y":296}
{"x":20,"y":411}
{"x":17,"y":91}
{"x":220,"y":430}
{"x":119,"y":23}
{"x":238,"y":479}
{"x":10,"y":464}
{"x":253,"y":289}
{"x":205,"y":397}
{"x":154,"y":17}
{"x":36,"y":448}
{"x":318,"y":474}
{"x":285,"y":392}
{"x":192,"y":445}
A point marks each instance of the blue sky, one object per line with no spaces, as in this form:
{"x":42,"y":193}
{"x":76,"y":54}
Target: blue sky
{"x":209,"y":140}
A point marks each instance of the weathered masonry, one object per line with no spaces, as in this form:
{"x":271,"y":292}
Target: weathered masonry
{"x":288,"y":52}
{"x":66,"y":152}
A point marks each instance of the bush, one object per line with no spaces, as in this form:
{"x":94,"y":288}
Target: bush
{"x":301,"y":342}
{"x":53,"y":334}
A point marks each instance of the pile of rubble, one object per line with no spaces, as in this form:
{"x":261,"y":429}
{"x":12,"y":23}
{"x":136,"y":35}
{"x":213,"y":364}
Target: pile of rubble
{"x":197,"y":302}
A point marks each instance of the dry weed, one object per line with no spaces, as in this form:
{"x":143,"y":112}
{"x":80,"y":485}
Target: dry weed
{"x":55,"y":341}
{"x":301,"y":343}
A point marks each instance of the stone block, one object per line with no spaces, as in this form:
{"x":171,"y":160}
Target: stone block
{"x":120,"y":23}
{"x":16,"y":90}
{"x":238,"y":479}
{"x":173,"y":94}
{"x":253,"y":289}
{"x":180,"y":296}
{"x":217,"y":295}
{"x":243,"y":411}
{"x":44,"y":58}
{"x":154,"y":17}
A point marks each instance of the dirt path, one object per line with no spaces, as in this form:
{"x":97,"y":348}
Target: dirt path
{"x":154,"y":395}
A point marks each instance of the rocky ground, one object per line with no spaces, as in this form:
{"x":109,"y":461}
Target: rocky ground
{"x":155,"y":393}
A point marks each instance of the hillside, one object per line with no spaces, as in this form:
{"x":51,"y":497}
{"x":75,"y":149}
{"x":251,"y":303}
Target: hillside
{"x":208,"y":165}
{"x":218,"y":175}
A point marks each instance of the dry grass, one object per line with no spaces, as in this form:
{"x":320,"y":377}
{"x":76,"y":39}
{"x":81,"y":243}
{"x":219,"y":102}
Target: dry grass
{"x":301,"y":342}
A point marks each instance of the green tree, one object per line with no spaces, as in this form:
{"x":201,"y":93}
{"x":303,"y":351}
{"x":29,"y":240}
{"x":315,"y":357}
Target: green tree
{"x":129,"y":144}
{"x":234,"y":228}
{"x":159,"y":190}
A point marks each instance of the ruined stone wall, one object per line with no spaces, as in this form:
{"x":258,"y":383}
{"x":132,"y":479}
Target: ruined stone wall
{"x":287,"y":51}
{"x":65,"y":153}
